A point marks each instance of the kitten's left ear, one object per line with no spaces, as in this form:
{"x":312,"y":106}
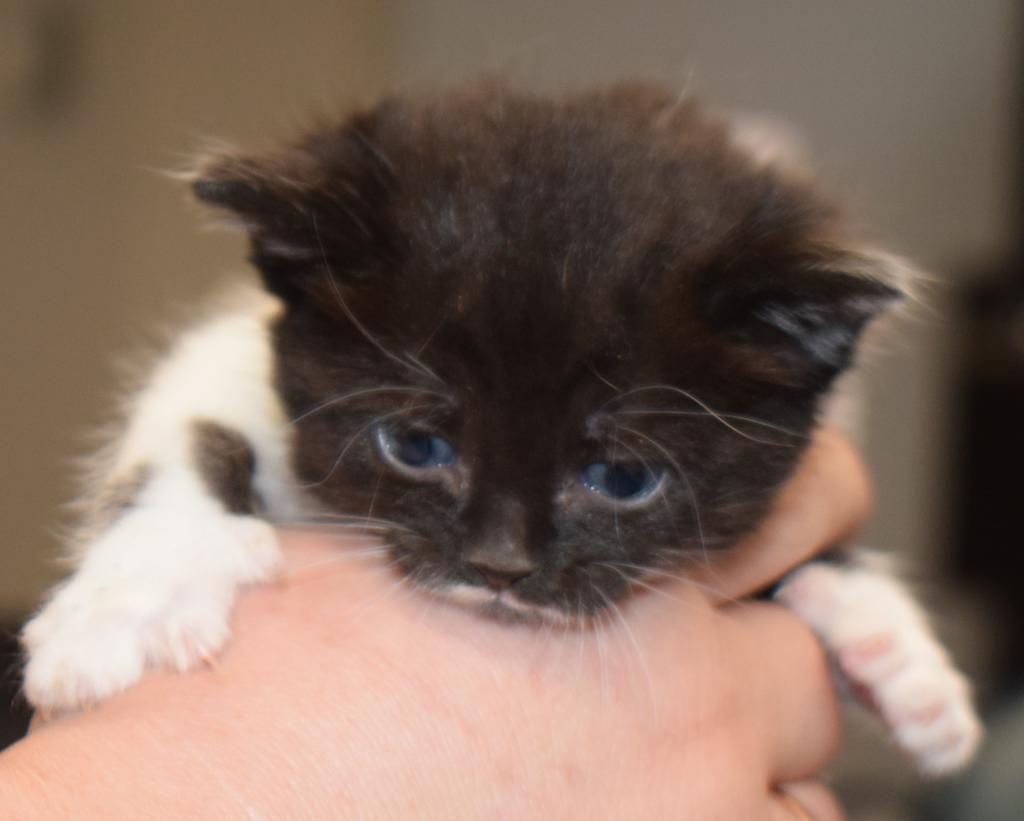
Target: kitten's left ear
{"x":808,"y":312}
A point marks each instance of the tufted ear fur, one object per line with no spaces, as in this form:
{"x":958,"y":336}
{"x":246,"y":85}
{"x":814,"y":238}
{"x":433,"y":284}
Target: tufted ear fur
{"x":320,"y":202}
{"x":770,"y":142}
{"x":807,"y":310}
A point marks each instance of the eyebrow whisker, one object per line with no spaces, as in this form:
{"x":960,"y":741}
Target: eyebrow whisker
{"x":707,"y":410}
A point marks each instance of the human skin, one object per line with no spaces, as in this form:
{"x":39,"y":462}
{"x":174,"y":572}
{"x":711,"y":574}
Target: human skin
{"x":345,"y":693}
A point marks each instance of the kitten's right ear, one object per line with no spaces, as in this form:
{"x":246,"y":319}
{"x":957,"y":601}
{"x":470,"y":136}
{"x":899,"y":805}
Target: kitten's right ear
{"x":238,"y":186}
{"x":260,"y":196}
{"x":314,"y":206}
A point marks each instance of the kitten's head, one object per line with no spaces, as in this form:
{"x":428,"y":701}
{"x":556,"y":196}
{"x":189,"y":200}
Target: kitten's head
{"x":556,"y":343}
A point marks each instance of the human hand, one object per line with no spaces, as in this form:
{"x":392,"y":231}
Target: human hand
{"x":823,"y":504}
{"x":344,"y":693}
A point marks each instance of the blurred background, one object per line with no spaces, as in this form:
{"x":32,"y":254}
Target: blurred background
{"x":913,"y":114}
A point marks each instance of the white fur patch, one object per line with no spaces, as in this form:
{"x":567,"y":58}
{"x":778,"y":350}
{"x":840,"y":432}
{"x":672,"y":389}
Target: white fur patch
{"x":884,"y":647}
{"x":156,"y":589}
{"x":157,"y":586}
{"x":221,"y":371}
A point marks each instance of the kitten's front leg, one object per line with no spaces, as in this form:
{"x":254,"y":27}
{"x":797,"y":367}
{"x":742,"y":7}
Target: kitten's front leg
{"x":884,"y":648}
{"x":155,"y":589}
{"x":175,"y":532}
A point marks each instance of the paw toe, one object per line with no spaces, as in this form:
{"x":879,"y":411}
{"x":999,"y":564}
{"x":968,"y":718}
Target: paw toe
{"x":931,"y":716}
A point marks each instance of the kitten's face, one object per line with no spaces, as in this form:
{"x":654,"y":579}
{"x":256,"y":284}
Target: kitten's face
{"x":557,"y":345}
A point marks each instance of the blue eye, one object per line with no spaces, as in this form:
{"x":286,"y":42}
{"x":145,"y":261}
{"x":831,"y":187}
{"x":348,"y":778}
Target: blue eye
{"x":415,"y":449}
{"x":620,"y":481}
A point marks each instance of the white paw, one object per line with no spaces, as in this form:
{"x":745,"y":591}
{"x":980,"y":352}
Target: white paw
{"x":886,"y":651}
{"x":156,"y":590}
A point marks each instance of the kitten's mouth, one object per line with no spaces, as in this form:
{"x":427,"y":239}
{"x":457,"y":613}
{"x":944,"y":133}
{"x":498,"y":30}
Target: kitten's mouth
{"x":506,"y":606}
{"x":569,"y":597}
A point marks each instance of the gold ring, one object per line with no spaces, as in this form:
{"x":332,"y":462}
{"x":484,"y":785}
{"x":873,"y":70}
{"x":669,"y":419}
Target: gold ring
{"x":790,"y":802}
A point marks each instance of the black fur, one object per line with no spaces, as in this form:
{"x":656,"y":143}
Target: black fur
{"x":547,"y":283}
{"x":227,"y":464}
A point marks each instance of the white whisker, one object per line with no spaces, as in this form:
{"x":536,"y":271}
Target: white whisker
{"x":326,"y":517}
{"x":337,"y":400}
{"x":378,"y":598}
{"x":664,"y":500}
{"x":617,"y":611}
{"x":647,"y":570}
{"x":723,"y":418}
{"x":329,"y":275}
{"x":376,"y":490}
{"x":602,"y":658}
{"x":307,"y":574}
{"x":352,"y":439}
{"x":691,"y":492}
{"x":341,"y":528}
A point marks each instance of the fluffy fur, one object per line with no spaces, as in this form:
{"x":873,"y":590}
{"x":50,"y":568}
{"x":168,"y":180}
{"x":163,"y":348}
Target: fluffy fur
{"x":538,"y":290}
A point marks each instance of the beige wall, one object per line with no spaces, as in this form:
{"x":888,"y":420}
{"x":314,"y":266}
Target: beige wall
{"x":95,"y":245}
{"x":908,"y":101}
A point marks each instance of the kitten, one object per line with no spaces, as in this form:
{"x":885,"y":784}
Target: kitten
{"x":550,"y":347}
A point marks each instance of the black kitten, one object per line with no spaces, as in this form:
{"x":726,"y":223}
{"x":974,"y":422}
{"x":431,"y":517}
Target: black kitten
{"x":607,"y":330}
{"x":550,"y":346}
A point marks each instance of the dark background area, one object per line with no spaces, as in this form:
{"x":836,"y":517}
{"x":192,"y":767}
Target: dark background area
{"x":14,"y":713}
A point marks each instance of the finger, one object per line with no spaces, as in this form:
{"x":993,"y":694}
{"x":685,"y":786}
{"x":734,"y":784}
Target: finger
{"x":823,"y":504}
{"x":804,"y":801}
{"x":787,"y":689}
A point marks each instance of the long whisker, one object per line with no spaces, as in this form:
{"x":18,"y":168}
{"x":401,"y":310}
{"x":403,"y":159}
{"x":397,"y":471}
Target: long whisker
{"x":617,"y":611}
{"x":648,"y":570}
{"x":582,"y":637}
{"x":747,"y":494}
{"x":308,"y":574}
{"x":545,"y":640}
{"x":376,"y":491}
{"x":329,"y":275}
{"x":602,"y":659}
{"x":723,"y":418}
{"x":431,"y":335}
{"x":632,"y":580}
{"x":615,"y":508}
{"x":376,"y":550}
{"x":350,"y":539}
{"x":343,"y":527}
{"x":327,"y":517}
{"x":691,"y":492}
{"x":342,"y":522}
{"x":422,"y":366}
{"x":352,"y":439}
{"x":664,"y":499}
{"x":337,"y":400}
{"x":660,"y":591}
{"x":402,"y":582}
